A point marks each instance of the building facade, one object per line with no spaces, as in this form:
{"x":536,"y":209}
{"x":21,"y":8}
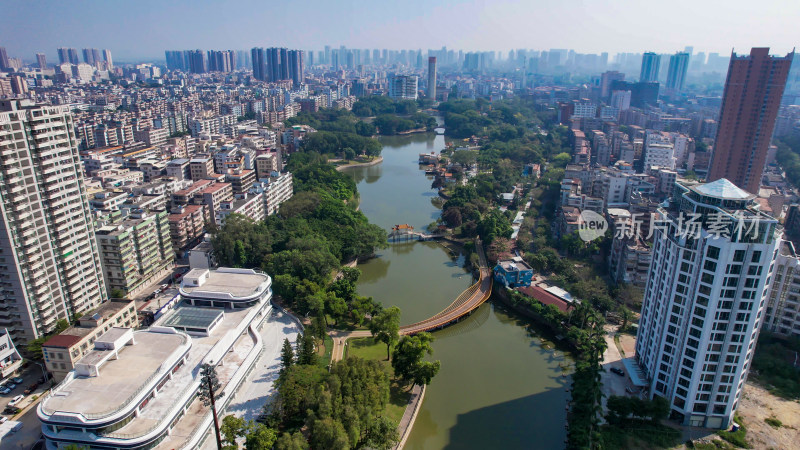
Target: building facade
{"x":61,"y":351}
{"x":750,"y":103}
{"x":705,"y":300}
{"x":49,"y":263}
{"x":403,"y":87}
{"x":136,"y":251}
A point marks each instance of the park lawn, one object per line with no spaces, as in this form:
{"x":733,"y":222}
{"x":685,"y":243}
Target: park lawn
{"x":367,"y":348}
{"x":324,"y":352}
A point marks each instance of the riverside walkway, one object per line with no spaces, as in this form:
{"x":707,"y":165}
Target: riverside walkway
{"x":463,"y":305}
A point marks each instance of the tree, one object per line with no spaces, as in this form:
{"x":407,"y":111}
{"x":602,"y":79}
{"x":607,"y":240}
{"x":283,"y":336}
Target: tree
{"x":287,"y":356}
{"x":294,"y":441}
{"x":349,"y":153}
{"x":329,"y":434}
{"x":385,"y":327}
{"x":117,"y":293}
{"x":305,"y":349}
{"x":208,"y":394}
{"x":34,"y":347}
{"x":452,"y":217}
{"x":381,"y":435}
{"x":232,"y":428}
{"x":407,"y":359}
{"x":260,"y":437}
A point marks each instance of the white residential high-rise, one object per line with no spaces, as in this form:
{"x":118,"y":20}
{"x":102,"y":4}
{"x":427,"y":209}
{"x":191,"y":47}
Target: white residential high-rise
{"x":659,"y":151}
{"x":403,"y":87}
{"x":49,"y":263}
{"x":621,"y":100}
{"x":705,"y":300}
{"x":783,"y":301}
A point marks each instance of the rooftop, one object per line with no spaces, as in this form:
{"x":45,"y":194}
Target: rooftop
{"x":119,"y":378}
{"x":191,"y":317}
{"x":723,"y":189}
{"x":86,"y":324}
{"x":224,"y":282}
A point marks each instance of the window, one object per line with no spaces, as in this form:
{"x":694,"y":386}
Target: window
{"x":738,"y":255}
{"x":756,"y":256}
{"x":700,"y":407}
{"x":713,"y":252}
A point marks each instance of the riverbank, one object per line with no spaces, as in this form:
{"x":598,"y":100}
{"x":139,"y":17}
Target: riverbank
{"x":414,"y":131}
{"x":459,"y":409}
{"x":374,"y":162}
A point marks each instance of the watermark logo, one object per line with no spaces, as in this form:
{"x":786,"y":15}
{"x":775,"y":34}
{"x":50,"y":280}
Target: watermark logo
{"x":592,"y":226}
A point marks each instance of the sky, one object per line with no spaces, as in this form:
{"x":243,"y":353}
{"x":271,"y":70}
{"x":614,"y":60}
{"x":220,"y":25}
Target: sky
{"x":143,"y":29}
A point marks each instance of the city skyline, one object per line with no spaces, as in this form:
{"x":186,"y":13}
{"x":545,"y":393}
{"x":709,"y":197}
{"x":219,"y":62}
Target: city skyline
{"x":357,"y":25}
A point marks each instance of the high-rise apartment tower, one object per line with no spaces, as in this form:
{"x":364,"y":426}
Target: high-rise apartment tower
{"x":750,"y":103}
{"x":49,"y":262}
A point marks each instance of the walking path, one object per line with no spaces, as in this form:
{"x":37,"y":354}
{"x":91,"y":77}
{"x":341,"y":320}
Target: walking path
{"x":464,"y":304}
{"x":374,"y":162}
{"x":257,"y":390}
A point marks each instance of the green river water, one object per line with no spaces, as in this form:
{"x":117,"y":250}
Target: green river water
{"x":498,"y":387}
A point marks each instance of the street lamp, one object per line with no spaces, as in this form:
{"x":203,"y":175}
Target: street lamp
{"x":44,"y":372}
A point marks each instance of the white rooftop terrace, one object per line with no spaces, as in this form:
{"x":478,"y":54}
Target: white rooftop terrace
{"x":223,"y":283}
{"x":119,"y":379}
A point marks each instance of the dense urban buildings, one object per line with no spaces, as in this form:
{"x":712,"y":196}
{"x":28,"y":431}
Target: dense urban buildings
{"x":705,"y":299}
{"x":50,"y":266}
{"x":750,"y":103}
{"x":162,"y":152}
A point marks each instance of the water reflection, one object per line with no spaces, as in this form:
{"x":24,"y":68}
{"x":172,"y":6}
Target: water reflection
{"x":500,"y":385}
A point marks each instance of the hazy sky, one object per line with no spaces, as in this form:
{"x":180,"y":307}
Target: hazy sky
{"x":145,"y":28}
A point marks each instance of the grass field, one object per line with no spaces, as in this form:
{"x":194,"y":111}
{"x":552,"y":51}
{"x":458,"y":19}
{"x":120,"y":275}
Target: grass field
{"x":367,"y":348}
{"x":324,"y":352}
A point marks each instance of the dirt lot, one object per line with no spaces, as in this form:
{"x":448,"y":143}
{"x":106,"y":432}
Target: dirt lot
{"x":756,"y":405}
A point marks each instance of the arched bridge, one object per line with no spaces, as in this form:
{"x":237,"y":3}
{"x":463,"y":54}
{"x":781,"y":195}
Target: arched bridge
{"x":463,"y":305}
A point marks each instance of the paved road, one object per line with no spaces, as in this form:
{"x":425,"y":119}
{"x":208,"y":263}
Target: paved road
{"x":25,"y":438}
{"x":257,"y":389}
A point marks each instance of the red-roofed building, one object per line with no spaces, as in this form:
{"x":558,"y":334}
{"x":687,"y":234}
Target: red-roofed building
{"x":546,"y":298}
{"x":63,"y":350}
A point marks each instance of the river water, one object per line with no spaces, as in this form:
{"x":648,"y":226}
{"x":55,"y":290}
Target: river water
{"x":499,"y":386}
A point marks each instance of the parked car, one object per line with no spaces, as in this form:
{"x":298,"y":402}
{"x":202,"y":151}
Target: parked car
{"x":618,"y":371}
{"x":31,"y":388}
{"x":17,"y":380}
{"x":11,"y":410}
{"x":4,"y":390}
{"x":10,"y":385}
{"x":15,"y":401}
{"x":3,"y":419}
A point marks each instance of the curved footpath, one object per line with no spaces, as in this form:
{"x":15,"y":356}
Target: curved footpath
{"x":464,"y":304}
{"x":374,"y":162}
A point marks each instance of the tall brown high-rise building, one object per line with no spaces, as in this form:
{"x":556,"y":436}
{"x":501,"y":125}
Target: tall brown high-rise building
{"x":750,"y":103}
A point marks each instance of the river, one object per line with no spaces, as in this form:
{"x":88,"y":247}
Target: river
{"x":499,"y":386}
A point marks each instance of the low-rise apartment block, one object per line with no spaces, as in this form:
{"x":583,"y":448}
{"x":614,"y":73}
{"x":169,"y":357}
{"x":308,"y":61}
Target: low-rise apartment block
{"x":136,"y":251}
{"x":61,"y":351}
